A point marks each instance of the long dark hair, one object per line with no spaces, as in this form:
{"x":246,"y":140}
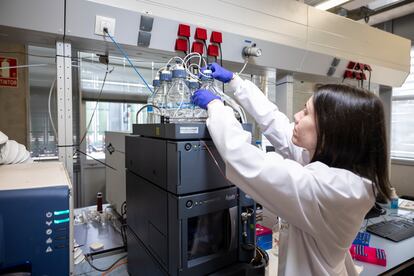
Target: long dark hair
{"x":351,"y":133}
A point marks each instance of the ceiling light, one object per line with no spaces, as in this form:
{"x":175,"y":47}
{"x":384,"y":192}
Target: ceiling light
{"x":330,"y":4}
{"x":380,"y":4}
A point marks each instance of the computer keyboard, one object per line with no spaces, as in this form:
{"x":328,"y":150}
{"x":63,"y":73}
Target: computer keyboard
{"x":395,"y":230}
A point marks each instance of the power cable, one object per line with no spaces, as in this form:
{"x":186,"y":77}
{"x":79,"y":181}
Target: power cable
{"x":49,"y":110}
{"x":104,"y":269}
{"x":127,"y":57}
{"x":96,"y":106}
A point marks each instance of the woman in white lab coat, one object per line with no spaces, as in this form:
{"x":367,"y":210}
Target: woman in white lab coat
{"x":329,"y":167}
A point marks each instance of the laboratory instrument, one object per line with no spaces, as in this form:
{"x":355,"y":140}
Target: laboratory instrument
{"x":185,"y":216}
{"x":36,"y":226}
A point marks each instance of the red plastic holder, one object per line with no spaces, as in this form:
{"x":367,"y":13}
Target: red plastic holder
{"x":197,"y":47}
{"x":216,"y":37}
{"x":200,"y":34}
{"x":183,"y":30}
{"x":213,"y":50}
{"x":348,"y":74}
{"x":351,"y":65}
{"x":368,"y":254}
{"x":181,"y":44}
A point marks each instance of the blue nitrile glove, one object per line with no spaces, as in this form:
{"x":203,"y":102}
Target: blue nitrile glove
{"x":220,"y":73}
{"x":203,"y":97}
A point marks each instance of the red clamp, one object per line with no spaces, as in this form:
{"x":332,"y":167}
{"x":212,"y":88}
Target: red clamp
{"x":348,"y":74}
{"x":351,"y":65}
{"x":181,"y":44}
{"x":197,"y":47}
{"x":200,"y":34}
{"x":360,"y":76}
{"x":183,"y":30}
{"x":216,"y":37}
{"x":213,"y":50}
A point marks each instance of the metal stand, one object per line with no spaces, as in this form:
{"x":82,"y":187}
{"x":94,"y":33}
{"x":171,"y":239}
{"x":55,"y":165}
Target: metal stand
{"x":64,"y":105}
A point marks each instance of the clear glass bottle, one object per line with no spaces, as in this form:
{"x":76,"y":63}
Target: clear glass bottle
{"x":159,"y":98}
{"x":207,"y":82}
{"x":199,"y":114}
{"x":150,"y":108}
{"x":179,"y":106}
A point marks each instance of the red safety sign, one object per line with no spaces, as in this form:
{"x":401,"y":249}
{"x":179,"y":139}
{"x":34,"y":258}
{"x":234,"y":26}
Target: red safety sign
{"x":8,"y":74}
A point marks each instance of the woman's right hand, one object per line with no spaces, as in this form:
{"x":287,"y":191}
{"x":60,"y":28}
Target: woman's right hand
{"x":220,"y":73}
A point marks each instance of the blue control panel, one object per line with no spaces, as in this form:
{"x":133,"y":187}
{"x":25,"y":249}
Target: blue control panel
{"x":34,"y":231}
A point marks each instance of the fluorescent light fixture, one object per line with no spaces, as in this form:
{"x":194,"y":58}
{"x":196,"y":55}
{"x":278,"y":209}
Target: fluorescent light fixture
{"x":330,"y":4}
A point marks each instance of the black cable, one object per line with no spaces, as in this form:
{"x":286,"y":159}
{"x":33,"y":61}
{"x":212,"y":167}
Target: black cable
{"x":104,"y":269}
{"x":362,"y":78}
{"x":205,"y":46}
{"x":369,"y":81}
{"x":221,"y":60}
{"x":96,"y":106}
{"x":64,"y":21}
{"x":34,"y":55}
{"x":124,"y":224}
{"x":188,"y":43}
{"x":97,"y":160}
{"x":221,"y":55}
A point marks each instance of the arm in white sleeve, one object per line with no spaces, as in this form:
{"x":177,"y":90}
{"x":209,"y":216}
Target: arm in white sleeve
{"x":282,"y":186}
{"x":12,"y":152}
{"x":273,"y":123}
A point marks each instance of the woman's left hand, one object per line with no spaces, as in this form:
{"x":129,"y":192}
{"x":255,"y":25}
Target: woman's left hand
{"x":203,"y":97}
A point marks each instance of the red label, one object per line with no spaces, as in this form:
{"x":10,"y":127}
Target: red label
{"x":8,"y":76}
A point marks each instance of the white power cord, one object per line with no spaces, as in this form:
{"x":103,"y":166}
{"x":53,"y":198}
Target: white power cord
{"x":49,"y":110}
{"x":244,"y":66}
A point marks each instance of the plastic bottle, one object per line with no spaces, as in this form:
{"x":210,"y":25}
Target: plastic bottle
{"x":99,"y":202}
{"x":179,"y":106}
{"x":394,"y":199}
{"x":159,"y":98}
{"x":275,"y":237}
{"x":150,"y":109}
{"x":199,"y":114}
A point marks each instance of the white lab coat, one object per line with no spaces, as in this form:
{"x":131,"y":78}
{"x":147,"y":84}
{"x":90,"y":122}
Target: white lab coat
{"x":324,"y":206}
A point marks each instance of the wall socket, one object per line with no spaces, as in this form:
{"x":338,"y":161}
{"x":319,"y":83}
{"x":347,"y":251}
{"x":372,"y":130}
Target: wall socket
{"x":102,"y":22}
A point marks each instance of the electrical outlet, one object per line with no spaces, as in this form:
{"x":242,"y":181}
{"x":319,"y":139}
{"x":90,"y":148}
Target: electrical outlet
{"x":102,"y":22}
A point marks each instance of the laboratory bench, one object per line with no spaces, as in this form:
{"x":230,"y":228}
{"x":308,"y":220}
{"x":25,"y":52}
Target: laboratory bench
{"x":91,"y":227}
{"x":399,"y":254}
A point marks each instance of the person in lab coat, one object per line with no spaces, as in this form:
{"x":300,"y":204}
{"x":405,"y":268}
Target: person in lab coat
{"x":329,"y":167}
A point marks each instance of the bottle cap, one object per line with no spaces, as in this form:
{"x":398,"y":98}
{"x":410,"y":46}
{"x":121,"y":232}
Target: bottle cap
{"x":393,"y":193}
{"x":206,"y":75}
{"x":193,"y":84}
{"x":156,"y":82}
{"x":179,"y":72}
{"x":165,"y":75}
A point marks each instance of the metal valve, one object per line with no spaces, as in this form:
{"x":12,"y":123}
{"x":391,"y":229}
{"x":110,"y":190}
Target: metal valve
{"x":252,"y":51}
